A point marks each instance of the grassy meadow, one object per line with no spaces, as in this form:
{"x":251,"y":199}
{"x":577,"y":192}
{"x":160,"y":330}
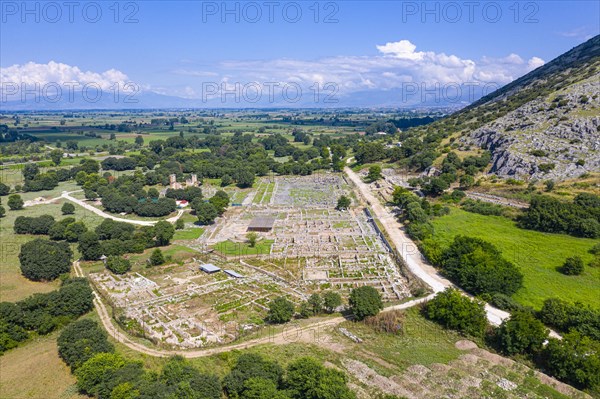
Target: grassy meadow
{"x":537,"y":254}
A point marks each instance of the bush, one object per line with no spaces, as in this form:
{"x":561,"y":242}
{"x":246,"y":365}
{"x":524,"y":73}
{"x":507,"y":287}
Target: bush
{"x":157,"y":257}
{"x":364,"y":302}
{"x":118,"y":265}
{"x":15,"y":202}
{"x":331,"y":301}
{"x":456,"y":311}
{"x":573,"y":266}
{"x":482,"y":208}
{"x":45,"y":260}
{"x":479,"y":268}
{"x":575,"y":360}
{"x":33,"y":225}
{"x":565,"y":316}
{"x":522,"y":333}
{"x":67,"y":208}
{"x":386,"y":322}
{"x":280,"y":310}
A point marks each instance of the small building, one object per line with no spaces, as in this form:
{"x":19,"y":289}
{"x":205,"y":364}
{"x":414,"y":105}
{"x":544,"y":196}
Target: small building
{"x":182,"y":203}
{"x":233,"y":273}
{"x":262,"y":224}
{"x":209,"y":268}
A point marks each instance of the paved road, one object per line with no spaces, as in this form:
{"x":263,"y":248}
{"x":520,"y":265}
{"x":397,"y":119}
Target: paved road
{"x":67,"y":195}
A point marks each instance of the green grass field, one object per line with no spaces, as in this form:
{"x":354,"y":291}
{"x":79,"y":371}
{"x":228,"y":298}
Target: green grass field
{"x":263,"y":247}
{"x":13,"y":286}
{"x":188,"y":234}
{"x":538,"y":255}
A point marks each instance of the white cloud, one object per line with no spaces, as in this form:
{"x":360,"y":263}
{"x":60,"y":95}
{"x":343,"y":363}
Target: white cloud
{"x":398,"y":63}
{"x":535,"y":62}
{"x":403,"y":49}
{"x":33,"y":73}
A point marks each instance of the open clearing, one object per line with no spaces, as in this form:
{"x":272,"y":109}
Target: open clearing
{"x":35,"y":371}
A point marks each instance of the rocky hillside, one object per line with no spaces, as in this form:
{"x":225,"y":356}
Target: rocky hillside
{"x":545,"y":125}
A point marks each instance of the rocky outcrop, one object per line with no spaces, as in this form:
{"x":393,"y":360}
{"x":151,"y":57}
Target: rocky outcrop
{"x":552,"y":137}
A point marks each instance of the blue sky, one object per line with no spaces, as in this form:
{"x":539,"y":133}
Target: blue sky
{"x":176,"y":46}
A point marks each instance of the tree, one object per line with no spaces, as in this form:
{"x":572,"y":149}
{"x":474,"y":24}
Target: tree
{"x":4,"y":189}
{"x":316,"y":303}
{"x":15,"y":202}
{"x":331,"y":300}
{"x":139,"y":140}
{"x":453,"y":310}
{"x":74,"y":230}
{"x":2,"y":211}
{"x":466,"y":181}
{"x":80,"y":341}
{"x":343,"y":203}
{"x":575,"y":360}
{"x":163,"y":232}
{"x":205,"y":211}
{"x":244,"y":178}
{"x":45,"y":260}
{"x":220,"y":201}
{"x":261,"y":388}
{"x":478,"y":267}
{"x":67,"y":208}
{"x":365,"y":301}
{"x":250,"y":366}
{"x":157,"y":257}
{"x":522,"y":333}
{"x":308,"y":379}
{"x":179,"y":224}
{"x":374,"y":173}
{"x":252,"y":237}
{"x":89,"y":246}
{"x":573,"y":266}
{"x":30,"y":171}
{"x":56,"y":156}
{"x":153,"y":193}
{"x":118,"y":265}
{"x":96,"y":370}
{"x":280,"y":310}
{"x":226,"y":180}
{"x":33,"y":225}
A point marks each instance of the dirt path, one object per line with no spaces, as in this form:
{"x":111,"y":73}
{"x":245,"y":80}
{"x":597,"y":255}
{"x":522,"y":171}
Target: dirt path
{"x":408,"y":249}
{"x":67,"y":195}
{"x":410,"y":252}
{"x":310,"y":333}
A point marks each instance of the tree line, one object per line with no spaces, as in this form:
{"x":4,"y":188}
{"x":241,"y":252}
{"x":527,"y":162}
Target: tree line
{"x":43,"y":313}
{"x":105,"y":374}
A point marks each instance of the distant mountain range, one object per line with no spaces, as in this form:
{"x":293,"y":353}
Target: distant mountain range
{"x":410,"y":96}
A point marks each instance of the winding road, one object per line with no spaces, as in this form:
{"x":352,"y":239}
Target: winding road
{"x":67,"y":195}
{"x":312,"y":332}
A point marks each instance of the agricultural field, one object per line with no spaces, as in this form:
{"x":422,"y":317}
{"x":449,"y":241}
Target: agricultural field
{"x":537,"y":254}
